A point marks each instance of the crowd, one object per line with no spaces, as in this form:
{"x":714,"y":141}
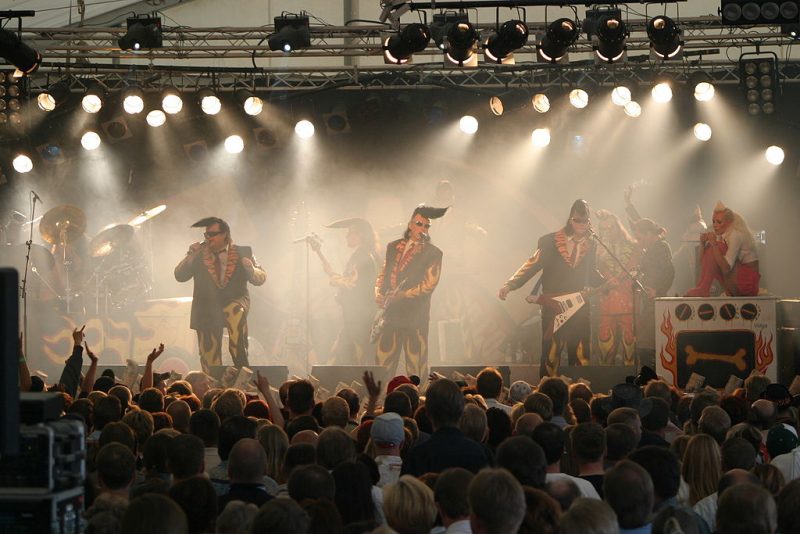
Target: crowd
{"x":478,"y":456}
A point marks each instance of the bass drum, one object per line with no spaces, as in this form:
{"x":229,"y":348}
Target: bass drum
{"x":127,"y":283}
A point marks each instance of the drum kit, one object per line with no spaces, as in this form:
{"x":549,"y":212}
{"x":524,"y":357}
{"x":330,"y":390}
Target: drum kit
{"x":108,"y":272}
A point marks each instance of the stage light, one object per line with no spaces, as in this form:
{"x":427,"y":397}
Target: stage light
{"x":665,"y":37}
{"x":759,"y":76}
{"x":468,"y":124}
{"x":496,"y":106}
{"x":611,"y":35}
{"x":559,"y":36}
{"x":133,"y":100}
{"x":51,"y":153}
{"x":540,"y":137}
{"x":156,"y":118}
{"x":90,"y":140}
{"x":291,"y":33}
{"x":540,"y":103}
{"x":398,"y":49}
{"x":53,"y":97}
{"x":702,"y":131}
{"x":499,"y":47}
{"x":23,"y":57}
{"x":461,"y":40}
{"x":234,"y":144}
{"x":775,"y":155}
{"x":759,"y":12}
{"x":633,"y":109}
{"x":143,"y":32}
{"x":441,"y":25}
{"x":209,"y":101}
{"x":22,"y":163}
{"x":304,"y":129}
{"x":171,"y":101}
{"x":252,"y":105}
{"x":579,"y":98}
{"x":702,"y":85}
{"x":92,"y":101}
{"x":620,"y":95}
{"x":662,"y":92}
{"x":337,"y":122}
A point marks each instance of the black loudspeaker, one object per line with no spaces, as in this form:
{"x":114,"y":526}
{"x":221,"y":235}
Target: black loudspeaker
{"x":447,"y":371}
{"x":276,"y":374}
{"x":602,"y":377}
{"x":330,"y":375}
{"x":788,"y":354}
{"x":9,"y":371}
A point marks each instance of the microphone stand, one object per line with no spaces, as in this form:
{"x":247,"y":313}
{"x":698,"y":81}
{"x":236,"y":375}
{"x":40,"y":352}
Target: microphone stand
{"x":636,"y":287}
{"x":24,"y":285}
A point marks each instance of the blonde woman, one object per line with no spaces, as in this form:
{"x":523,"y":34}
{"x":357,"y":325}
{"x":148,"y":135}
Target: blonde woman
{"x":702,"y":467}
{"x":275,"y":443}
{"x":409,"y":506}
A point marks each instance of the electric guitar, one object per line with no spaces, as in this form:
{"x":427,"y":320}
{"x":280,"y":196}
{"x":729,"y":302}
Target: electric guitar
{"x":566,"y":305}
{"x":379,"y":322}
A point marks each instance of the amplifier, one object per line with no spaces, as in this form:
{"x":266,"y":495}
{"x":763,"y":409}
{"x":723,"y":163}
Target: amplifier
{"x":54,"y":513}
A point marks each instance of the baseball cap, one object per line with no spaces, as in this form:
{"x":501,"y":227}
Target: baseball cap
{"x":388,"y":428}
{"x":780,"y":440}
{"x":519,"y":390}
{"x":396,"y":381}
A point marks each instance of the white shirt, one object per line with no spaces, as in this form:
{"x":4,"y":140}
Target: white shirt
{"x":788,"y":464}
{"x":389,"y":467}
{"x":584,"y":486}
{"x":707,"y":509}
{"x":738,"y":248}
{"x":494,"y":403}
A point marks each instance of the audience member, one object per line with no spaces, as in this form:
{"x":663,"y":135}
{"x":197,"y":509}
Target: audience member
{"x":247,"y":464}
{"x":198,"y":500}
{"x":388,"y":434}
{"x":452,"y":499}
{"x":185,"y":454}
{"x":490,"y":386}
{"x":589,"y":448}
{"x":628,"y":489}
{"x":589,"y":516}
{"x":281,"y":516}
{"x":746,"y":509}
{"x":524,"y":459}
{"x":154,"y":514}
{"x":497,"y":502}
{"x":409,"y":507}
{"x":542,"y":513}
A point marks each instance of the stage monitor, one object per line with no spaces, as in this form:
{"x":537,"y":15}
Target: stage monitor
{"x":9,"y":368}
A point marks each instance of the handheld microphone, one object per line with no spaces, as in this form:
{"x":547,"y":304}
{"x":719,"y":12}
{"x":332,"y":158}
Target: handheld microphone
{"x":36,"y":197}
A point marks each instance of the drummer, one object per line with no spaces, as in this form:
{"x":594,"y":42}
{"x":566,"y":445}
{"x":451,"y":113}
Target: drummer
{"x":64,"y":228}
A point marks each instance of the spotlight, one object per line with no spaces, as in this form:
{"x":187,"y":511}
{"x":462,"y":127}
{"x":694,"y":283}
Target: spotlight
{"x":759,"y":76}
{"x":499,"y":47}
{"x":662,"y":92}
{"x":702,"y":85}
{"x":265,"y":138}
{"x":336,"y":122}
{"x":291,"y":33}
{"x":116,"y":129}
{"x":560,"y":35}
{"x":752,"y":12}
{"x":209,"y":101}
{"x":196,"y":150}
{"x":234,"y":144}
{"x":775,"y":155}
{"x":22,"y":163}
{"x":611,"y":34}
{"x":51,"y":153}
{"x":541,"y":103}
{"x":304,"y":129}
{"x":665,"y":37}
{"x":620,"y":95}
{"x":156,"y":118}
{"x":133,"y":100}
{"x":540,"y":137}
{"x":252,"y":105}
{"x":496,"y":105}
{"x":171,"y":101}
{"x":143,"y":32}
{"x":633,"y":109}
{"x":90,"y":140}
{"x":468,"y":124}
{"x":23,"y":57}
{"x":399,"y":48}
{"x":702,"y":131}
{"x":461,"y":40}
{"x":53,"y":97}
{"x":92,"y":100}
{"x":579,"y":98}
{"x":441,"y":25}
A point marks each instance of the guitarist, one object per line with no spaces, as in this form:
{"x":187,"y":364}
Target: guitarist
{"x":415,"y":264}
{"x":355,"y":289}
{"x":567,"y":261}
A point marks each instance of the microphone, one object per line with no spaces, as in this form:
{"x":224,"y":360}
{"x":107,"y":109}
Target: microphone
{"x":36,"y":197}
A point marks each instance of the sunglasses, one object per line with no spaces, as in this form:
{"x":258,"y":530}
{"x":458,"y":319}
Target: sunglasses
{"x":212,"y":234}
{"x":421,"y":224}
{"x":580,"y":220}
{"x":717,"y":221}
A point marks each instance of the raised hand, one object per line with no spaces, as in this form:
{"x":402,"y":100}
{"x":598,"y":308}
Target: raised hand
{"x":373,"y":389}
{"x":503,"y":292}
{"x":261,"y":382}
{"x":89,"y":353}
{"x":78,"y":336}
{"x":155,"y":353}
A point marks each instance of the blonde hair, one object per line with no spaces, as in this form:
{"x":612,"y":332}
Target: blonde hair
{"x":275,"y":443}
{"x":739,"y":224}
{"x":702,"y":467}
{"x":229,"y":403}
{"x":409,"y":506}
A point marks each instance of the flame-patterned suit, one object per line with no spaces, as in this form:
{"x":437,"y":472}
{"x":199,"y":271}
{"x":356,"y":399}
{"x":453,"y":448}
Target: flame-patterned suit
{"x":408,"y":314}
{"x":220,"y":300}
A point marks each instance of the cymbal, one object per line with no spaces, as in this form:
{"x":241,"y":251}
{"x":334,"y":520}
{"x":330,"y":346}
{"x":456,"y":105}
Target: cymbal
{"x":147,"y":215}
{"x":110,"y":239}
{"x":62,"y":224}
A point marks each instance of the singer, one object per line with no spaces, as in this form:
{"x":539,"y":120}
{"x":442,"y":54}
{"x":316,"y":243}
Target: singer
{"x":221,"y":271}
{"x":403,"y":289}
{"x":567,"y":261}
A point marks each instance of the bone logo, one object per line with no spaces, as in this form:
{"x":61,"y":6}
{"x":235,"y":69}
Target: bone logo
{"x":705,"y":312}
{"x":683,"y":312}
{"x":749,"y":311}
{"x":727,"y":311}
{"x":736,"y":359}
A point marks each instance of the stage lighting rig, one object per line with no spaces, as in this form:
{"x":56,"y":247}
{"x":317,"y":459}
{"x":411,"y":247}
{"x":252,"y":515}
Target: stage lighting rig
{"x":559,"y":36}
{"x":755,"y":12}
{"x":23,"y":57}
{"x":441,"y":25}
{"x":462,"y":39}
{"x":54,"y":96}
{"x":759,"y":75}
{"x":665,"y":37}
{"x":291,"y":33}
{"x":393,"y":10}
{"x":398,"y":48}
{"x":92,"y":101}
{"x":609,"y":39}
{"x":144,"y":32}
{"x":511,"y":36}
